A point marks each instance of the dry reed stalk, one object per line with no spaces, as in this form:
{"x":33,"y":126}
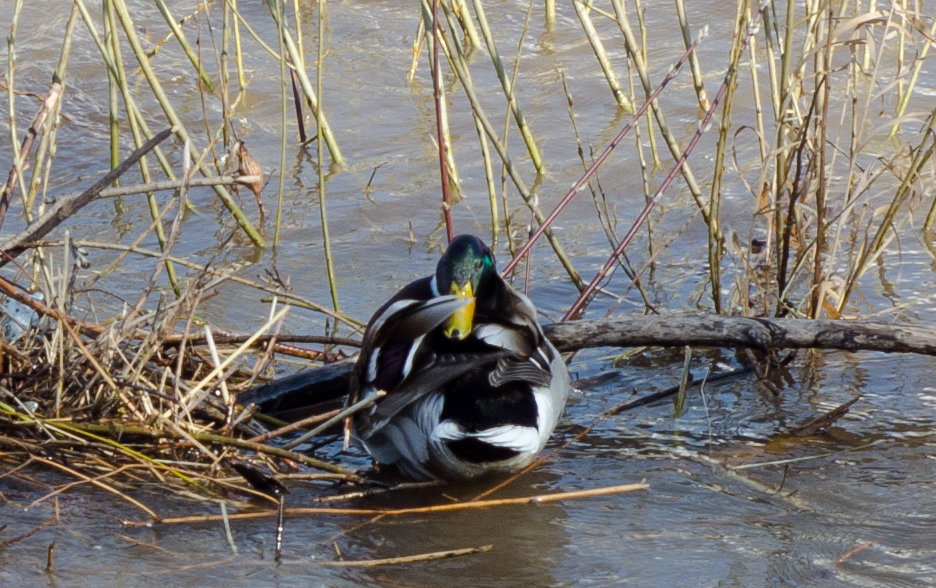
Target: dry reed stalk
{"x":177,"y":433}
{"x":418,"y":39}
{"x":822,"y":91}
{"x":776,"y":462}
{"x":298,"y":18}
{"x":438,"y":41}
{"x":550,"y":14}
{"x":224,"y":74}
{"x":397,"y":512}
{"x":486,"y":151}
{"x":851,"y":553}
{"x":42,"y":160}
{"x":457,"y":61}
{"x":588,"y":291}
{"x":739,"y":42}
{"x":320,"y":155}
{"x":592,"y":169}
{"x":441,"y":115}
{"x":14,"y":177}
{"x":99,"y":484}
{"x":694,"y":58}
{"x":28,"y":534}
{"x":508,"y":86}
{"x":337,"y":418}
{"x":295,"y":426}
{"x":582,"y":10}
{"x":403,"y":559}
{"x":654,"y":151}
{"x":683,"y":385}
{"x":460,"y":9}
{"x":637,"y":58}
{"x":113,"y":88}
{"x":238,"y":49}
{"x":173,"y":25}
{"x":15,"y":173}
{"x":281,"y":179}
{"x":295,"y":61}
{"x":488,"y":165}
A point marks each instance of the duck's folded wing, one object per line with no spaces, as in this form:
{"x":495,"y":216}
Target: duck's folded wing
{"x":392,"y":337}
{"x":508,"y":320}
{"x":411,"y":319}
{"x":432,"y":374}
{"x":519,"y":370}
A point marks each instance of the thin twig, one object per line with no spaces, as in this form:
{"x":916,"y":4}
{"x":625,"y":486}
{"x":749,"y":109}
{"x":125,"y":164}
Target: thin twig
{"x":419,"y":510}
{"x":593,"y":168}
{"x":403,"y":559}
{"x":27,"y":534}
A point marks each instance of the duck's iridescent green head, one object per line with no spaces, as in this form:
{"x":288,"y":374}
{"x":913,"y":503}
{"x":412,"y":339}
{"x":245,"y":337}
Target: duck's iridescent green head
{"x":464,"y":269}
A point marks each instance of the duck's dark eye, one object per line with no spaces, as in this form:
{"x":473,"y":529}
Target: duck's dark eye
{"x":478,"y":265}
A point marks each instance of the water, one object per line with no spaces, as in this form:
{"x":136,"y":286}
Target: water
{"x":867,"y":485}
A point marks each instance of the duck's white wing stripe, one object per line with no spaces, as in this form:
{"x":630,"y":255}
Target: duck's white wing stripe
{"x":394,"y":308}
{"x":516,"y":437}
{"x":507,"y":338}
{"x":408,"y":364}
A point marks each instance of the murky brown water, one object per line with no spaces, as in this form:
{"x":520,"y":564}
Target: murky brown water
{"x":698,"y":524}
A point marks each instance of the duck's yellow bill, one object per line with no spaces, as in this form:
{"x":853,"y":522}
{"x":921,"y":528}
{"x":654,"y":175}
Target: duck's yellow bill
{"x":458,"y":326}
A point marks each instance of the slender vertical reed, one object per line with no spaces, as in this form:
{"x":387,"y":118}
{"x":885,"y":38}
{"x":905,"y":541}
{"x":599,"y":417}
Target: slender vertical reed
{"x":320,"y":155}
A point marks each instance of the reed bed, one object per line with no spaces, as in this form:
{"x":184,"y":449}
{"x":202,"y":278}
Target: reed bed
{"x":834,"y":162}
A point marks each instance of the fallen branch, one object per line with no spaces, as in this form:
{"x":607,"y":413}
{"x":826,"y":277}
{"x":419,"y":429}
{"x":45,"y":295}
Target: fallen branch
{"x":710,"y":330}
{"x":695,"y":330}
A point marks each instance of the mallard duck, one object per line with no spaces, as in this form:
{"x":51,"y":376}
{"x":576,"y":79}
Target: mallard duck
{"x":472,"y":384}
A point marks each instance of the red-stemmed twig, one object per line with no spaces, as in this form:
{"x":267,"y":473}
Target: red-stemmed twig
{"x":703,"y":126}
{"x":437,"y":95}
{"x":577,"y":186}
